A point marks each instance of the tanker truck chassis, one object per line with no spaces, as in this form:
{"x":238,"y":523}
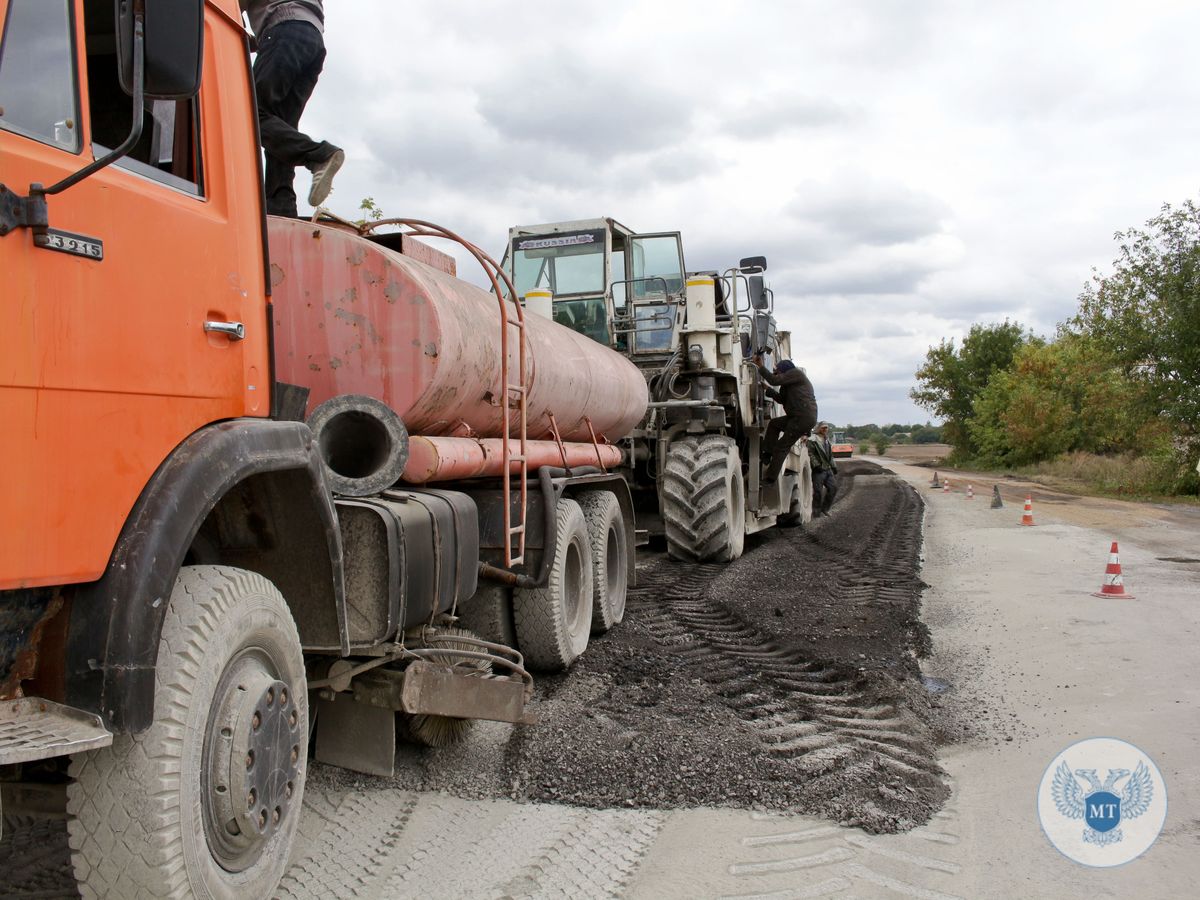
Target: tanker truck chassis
{"x":215,"y":554}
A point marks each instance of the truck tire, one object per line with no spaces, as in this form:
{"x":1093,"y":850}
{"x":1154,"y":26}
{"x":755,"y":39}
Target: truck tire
{"x":553,"y":623}
{"x":489,"y":614}
{"x":206,"y":801}
{"x":703,"y":499}
{"x":610,"y":558}
{"x":800,"y":509}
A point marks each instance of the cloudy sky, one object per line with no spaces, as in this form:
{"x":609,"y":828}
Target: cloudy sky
{"x":908,"y":168}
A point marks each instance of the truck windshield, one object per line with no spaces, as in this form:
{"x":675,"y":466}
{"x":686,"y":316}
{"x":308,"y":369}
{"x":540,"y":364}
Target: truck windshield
{"x":585,"y":316}
{"x":565,"y":263}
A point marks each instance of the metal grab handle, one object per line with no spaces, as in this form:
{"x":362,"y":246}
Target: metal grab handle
{"x":235,"y":331}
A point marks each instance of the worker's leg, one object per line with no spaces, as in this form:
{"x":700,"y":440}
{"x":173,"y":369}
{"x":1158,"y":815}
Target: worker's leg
{"x":830,"y":489}
{"x":793,"y":428}
{"x":289,"y":61}
{"x":775,"y":430}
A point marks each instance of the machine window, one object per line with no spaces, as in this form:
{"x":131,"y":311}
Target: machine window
{"x":656,"y":260}
{"x":570,"y":263}
{"x":38,"y":98}
{"x":169,"y":148}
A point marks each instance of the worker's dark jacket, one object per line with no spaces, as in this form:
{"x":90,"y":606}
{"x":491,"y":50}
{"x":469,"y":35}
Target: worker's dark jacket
{"x":795,"y":391}
{"x":820,"y":453}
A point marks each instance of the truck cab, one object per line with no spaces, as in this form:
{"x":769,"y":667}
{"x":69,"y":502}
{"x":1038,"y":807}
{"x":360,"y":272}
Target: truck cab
{"x":622,"y":289}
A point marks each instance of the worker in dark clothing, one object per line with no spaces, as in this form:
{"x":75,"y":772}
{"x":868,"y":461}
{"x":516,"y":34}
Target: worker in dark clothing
{"x":795,"y":392}
{"x":824,"y":470}
{"x":290,"y":41}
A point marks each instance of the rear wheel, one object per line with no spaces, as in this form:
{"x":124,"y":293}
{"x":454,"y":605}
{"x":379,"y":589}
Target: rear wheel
{"x":610,"y":572}
{"x":553,"y":623}
{"x":490,"y":614}
{"x":206,"y":801}
{"x":703,"y":499}
{"x":800,"y":508}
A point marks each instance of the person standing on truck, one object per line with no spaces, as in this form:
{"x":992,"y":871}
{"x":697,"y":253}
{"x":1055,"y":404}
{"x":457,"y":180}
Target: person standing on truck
{"x":824,"y":470}
{"x":289,"y":40}
{"x":795,"y":392}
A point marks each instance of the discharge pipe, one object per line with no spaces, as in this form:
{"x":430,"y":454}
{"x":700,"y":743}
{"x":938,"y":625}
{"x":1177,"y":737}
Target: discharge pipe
{"x":363,"y":442}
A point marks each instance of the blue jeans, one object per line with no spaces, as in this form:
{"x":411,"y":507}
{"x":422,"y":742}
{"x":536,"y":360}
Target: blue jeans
{"x":289,"y":61}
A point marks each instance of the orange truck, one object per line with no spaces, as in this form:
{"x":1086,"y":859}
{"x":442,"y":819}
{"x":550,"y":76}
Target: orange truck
{"x":840,"y":446}
{"x":197,"y":582}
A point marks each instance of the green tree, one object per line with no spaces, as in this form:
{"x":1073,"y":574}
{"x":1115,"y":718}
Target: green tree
{"x":951,"y":379}
{"x":1147,"y":311}
{"x":1057,"y":397}
{"x":881,"y":442}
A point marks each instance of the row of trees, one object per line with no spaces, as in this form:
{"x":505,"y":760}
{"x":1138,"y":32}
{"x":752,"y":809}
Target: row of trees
{"x":897,"y":434}
{"x":1121,"y":376}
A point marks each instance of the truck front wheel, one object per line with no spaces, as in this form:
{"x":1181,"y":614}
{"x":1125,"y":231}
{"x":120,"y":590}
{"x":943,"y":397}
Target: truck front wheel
{"x":206,"y":801}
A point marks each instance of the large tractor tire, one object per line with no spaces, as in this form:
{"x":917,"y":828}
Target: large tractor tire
{"x":554,"y":623}
{"x":205,"y":802}
{"x":703,"y":499}
{"x":610,"y":558}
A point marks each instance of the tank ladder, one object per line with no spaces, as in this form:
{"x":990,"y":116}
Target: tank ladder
{"x":513,"y":395}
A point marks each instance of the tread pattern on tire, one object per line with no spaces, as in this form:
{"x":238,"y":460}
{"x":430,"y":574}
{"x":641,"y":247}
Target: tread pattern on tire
{"x":489,"y":613}
{"x":543,"y":632}
{"x":601,"y":511}
{"x":124,"y":820}
{"x":695,"y":509}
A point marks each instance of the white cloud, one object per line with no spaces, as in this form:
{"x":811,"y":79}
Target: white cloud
{"x":908,"y":169}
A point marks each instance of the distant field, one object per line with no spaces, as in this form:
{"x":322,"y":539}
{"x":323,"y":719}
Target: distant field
{"x":913,"y":454}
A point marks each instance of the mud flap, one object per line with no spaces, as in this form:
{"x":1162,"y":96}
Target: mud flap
{"x":356,"y":736}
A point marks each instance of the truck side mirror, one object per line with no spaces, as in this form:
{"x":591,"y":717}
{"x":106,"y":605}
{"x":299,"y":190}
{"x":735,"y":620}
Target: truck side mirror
{"x":758,"y":293}
{"x":174,"y":47}
{"x":753,"y":264}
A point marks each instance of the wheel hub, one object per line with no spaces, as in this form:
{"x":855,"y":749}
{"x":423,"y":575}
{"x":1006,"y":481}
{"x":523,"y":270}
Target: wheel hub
{"x":252,"y":762}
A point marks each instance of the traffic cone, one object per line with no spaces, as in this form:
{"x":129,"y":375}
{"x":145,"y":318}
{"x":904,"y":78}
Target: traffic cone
{"x":970,"y":492}
{"x":997,"y":503}
{"x":946,"y":486}
{"x":935,"y":483}
{"x":1113,"y":586}
{"x":1027,"y":518}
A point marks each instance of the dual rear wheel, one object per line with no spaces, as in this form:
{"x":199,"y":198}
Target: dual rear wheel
{"x":585,"y":593}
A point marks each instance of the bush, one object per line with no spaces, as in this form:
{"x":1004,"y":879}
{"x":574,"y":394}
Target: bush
{"x":881,"y":443}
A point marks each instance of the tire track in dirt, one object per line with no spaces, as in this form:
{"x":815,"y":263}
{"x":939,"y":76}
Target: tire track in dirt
{"x":828,"y":861}
{"x":817,"y":714}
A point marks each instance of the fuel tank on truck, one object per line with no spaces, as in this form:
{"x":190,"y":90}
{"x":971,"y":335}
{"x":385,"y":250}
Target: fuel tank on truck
{"x":355,"y":317}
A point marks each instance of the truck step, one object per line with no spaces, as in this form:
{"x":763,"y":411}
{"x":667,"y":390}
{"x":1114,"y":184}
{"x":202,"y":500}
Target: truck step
{"x":32,"y":728}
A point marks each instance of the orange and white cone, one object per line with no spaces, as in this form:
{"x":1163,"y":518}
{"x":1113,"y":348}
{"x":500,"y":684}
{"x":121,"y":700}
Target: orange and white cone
{"x":946,"y":486}
{"x":970,"y":492}
{"x":1113,"y":586}
{"x":1027,"y":517}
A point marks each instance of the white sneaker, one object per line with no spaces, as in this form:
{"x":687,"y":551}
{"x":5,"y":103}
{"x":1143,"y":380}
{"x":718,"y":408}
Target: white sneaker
{"x":323,"y":173}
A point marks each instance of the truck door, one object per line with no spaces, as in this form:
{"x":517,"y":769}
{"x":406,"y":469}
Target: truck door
{"x":106,"y":360}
